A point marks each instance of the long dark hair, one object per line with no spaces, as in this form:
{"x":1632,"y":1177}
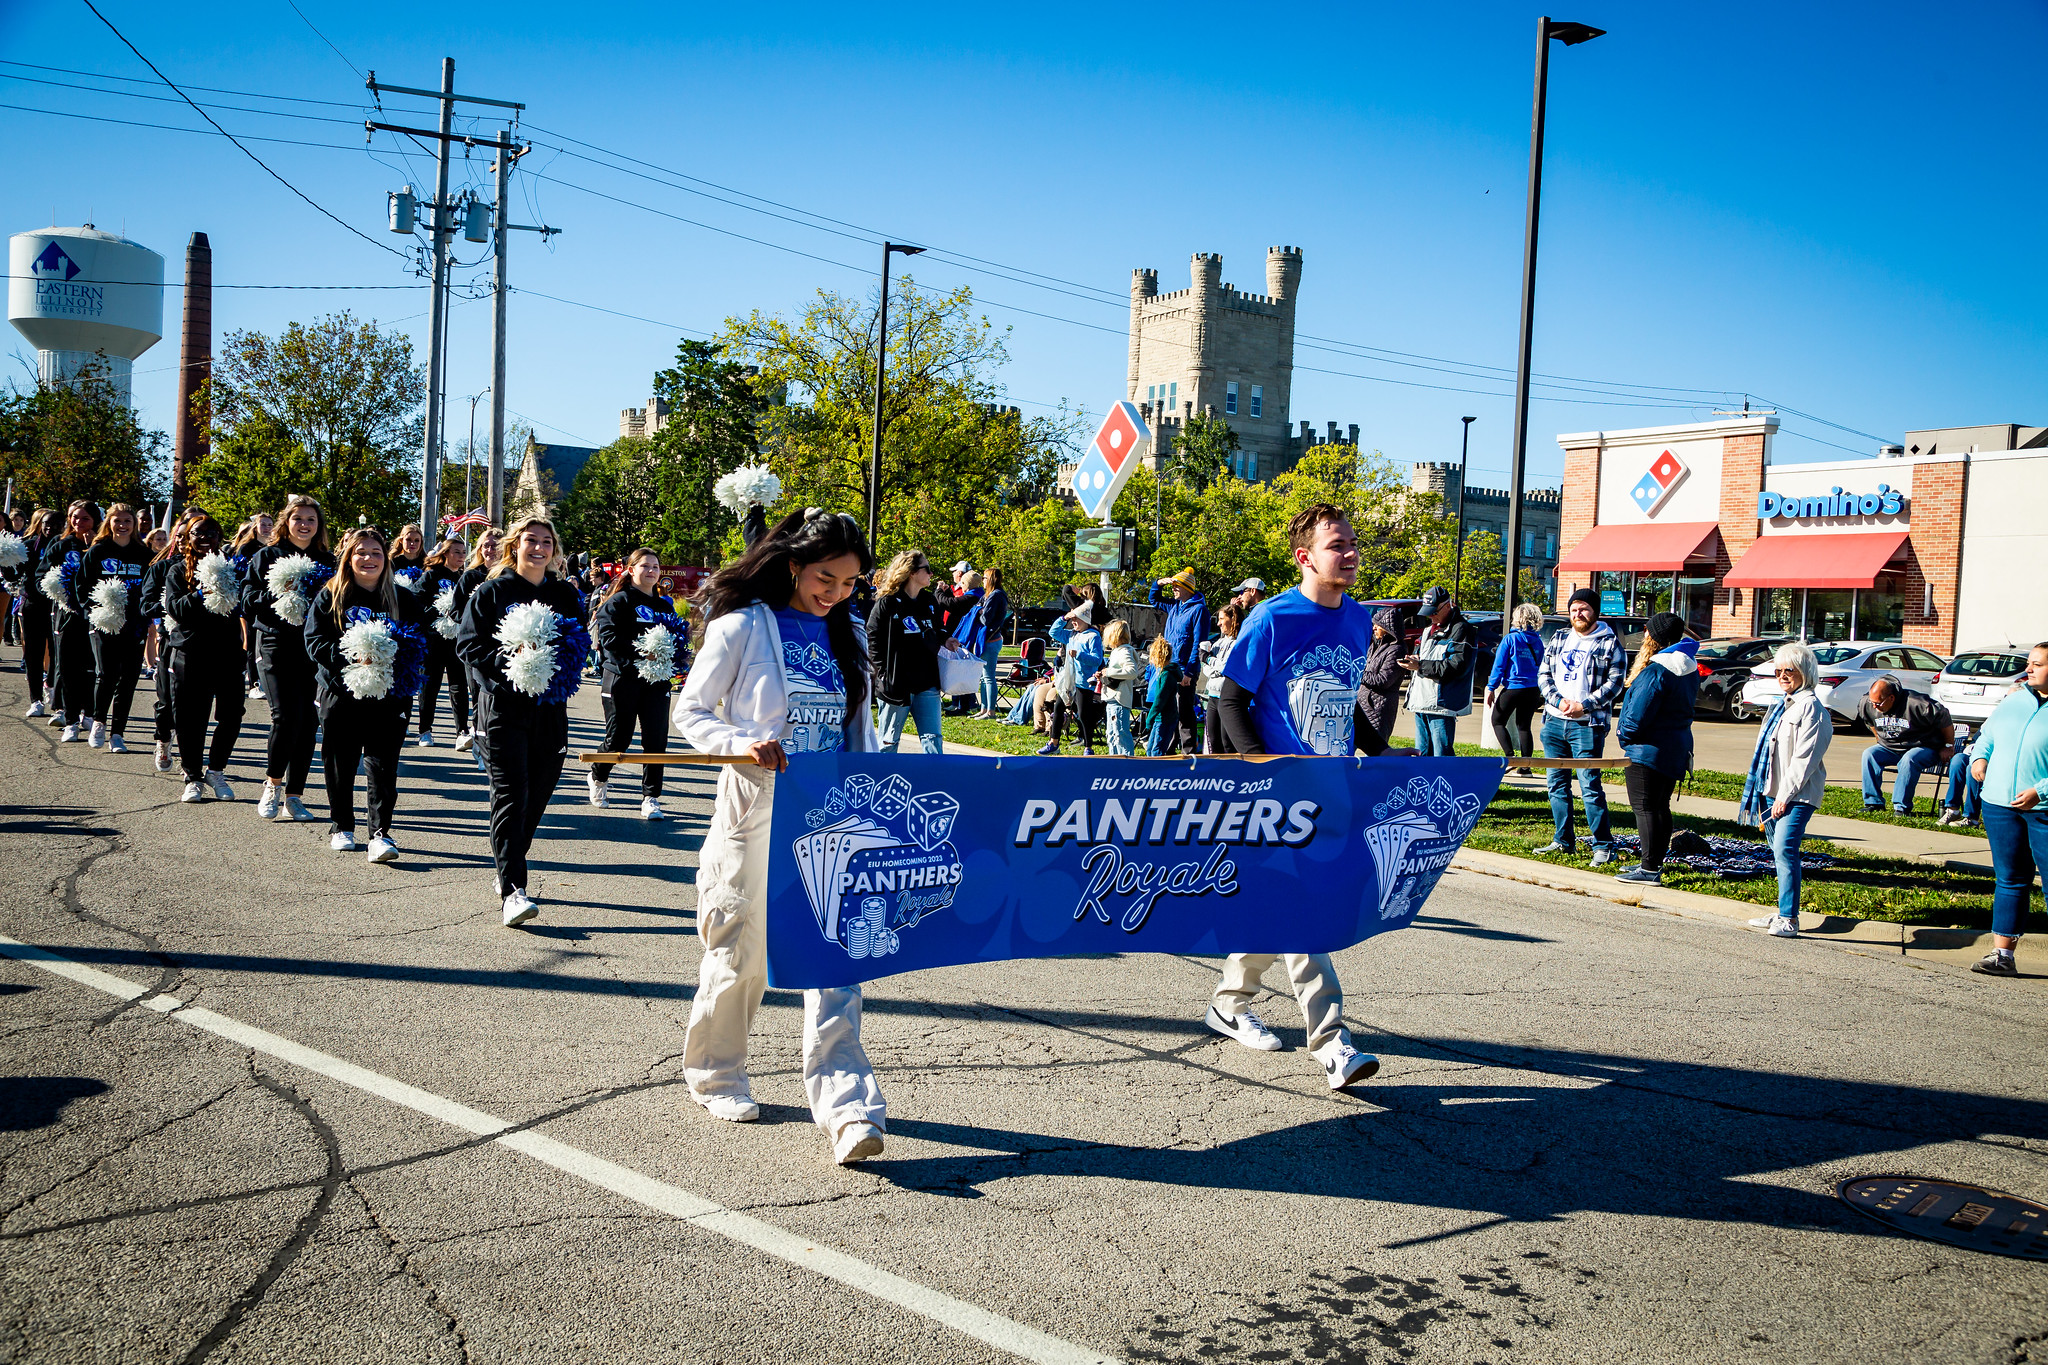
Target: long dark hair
{"x":766,"y":573}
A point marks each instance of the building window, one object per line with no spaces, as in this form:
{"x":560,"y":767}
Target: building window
{"x":1550,"y":545}
{"x":1528,"y":542}
{"x":1258,"y":400}
{"x":1173,"y":398}
{"x":1230,"y":398}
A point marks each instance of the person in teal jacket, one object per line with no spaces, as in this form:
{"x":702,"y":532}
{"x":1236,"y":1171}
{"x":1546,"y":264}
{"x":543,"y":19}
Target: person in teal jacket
{"x":2011,"y":761}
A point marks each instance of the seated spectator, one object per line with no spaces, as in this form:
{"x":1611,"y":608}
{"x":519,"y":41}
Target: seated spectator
{"x":1914,"y":733}
{"x":1965,"y":803}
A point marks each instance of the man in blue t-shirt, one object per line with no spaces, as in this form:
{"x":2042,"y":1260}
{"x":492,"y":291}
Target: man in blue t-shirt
{"x":1291,"y":687}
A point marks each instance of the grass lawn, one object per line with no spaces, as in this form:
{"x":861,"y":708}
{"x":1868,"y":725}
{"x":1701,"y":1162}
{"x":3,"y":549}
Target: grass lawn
{"x":1846,"y":802}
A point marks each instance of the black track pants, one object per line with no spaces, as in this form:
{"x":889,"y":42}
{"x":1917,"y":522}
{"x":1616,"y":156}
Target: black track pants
{"x":629,"y":700}
{"x":525,"y":746}
{"x":74,"y":668}
{"x":1514,"y":708}
{"x":442,"y":663}
{"x":286,"y":676}
{"x":367,"y":734}
{"x":1649,"y":795}
{"x":203,"y":689}
{"x":117,"y":667}
{"x":35,"y":644}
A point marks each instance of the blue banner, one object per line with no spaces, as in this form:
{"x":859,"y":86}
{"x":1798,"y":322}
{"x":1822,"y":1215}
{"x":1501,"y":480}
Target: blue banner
{"x":886,"y":863}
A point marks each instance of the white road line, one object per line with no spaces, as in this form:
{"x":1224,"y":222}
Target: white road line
{"x":1027,"y":1343}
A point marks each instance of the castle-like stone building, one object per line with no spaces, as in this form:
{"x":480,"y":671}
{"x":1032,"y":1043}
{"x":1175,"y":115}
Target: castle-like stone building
{"x":1486,"y":509}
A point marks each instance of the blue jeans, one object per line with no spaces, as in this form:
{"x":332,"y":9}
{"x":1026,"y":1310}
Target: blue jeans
{"x":1434,"y":736}
{"x":990,"y":653}
{"x":923,"y":707}
{"x":1784,"y":836}
{"x":1162,"y":732}
{"x":2019,"y":850}
{"x":1910,"y":764}
{"x":1572,"y":739}
{"x":1119,"y":727}
{"x":1965,"y":792}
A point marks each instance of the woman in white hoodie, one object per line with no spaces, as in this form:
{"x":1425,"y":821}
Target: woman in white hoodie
{"x":1787,"y":776}
{"x":783,"y":669}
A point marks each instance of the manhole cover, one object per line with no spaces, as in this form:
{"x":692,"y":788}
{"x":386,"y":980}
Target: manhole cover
{"x":1961,"y":1215}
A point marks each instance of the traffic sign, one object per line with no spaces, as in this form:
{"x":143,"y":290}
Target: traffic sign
{"x":1111,"y":457}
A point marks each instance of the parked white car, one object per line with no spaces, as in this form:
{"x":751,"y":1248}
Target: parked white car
{"x":1973,"y":683}
{"x":1847,"y":669}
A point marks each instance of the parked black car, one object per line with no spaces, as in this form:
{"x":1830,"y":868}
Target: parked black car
{"x":1725,"y":665}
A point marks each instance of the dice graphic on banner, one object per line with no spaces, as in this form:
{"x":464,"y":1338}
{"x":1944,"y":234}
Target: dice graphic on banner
{"x":892,"y":797}
{"x":1111,"y":458}
{"x":931,"y":818}
{"x":1667,"y":471}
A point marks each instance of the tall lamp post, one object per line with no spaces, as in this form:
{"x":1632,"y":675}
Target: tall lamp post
{"x":1464,"y":459}
{"x":881,"y":357}
{"x":1570,"y":34}
{"x":469,"y":457}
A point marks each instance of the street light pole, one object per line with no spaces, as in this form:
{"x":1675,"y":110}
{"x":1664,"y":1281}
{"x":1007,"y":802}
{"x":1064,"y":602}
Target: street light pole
{"x":1464,"y":458}
{"x":881,"y":358}
{"x":1570,"y":34}
{"x":469,"y":459}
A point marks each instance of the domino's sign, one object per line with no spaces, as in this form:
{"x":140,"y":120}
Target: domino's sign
{"x":1111,"y":458}
{"x":1655,"y":488}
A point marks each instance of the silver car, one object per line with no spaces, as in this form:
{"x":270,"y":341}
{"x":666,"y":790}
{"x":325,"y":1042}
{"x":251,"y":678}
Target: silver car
{"x":1973,"y":683}
{"x":1847,"y":669}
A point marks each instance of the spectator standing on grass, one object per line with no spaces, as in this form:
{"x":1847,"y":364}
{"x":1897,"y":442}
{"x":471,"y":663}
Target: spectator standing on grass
{"x":903,"y":647}
{"x":1119,"y":685}
{"x":1654,"y":728}
{"x":1159,"y":705}
{"x":1379,"y":693}
{"x":1442,"y":665}
{"x":2012,"y":764}
{"x":994,"y":624}
{"x":1248,"y":594}
{"x":1787,"y":775}
{"x":1187,"y":625}
{"x":1079,"y":681}
{"x":1581,"y":677}
{"x":1215,"y":654}
{"x":1512,"y":696}
{"x":1914,"y":733}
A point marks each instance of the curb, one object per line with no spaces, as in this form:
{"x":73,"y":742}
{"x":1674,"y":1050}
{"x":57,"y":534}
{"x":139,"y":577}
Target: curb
{"x":1958,"y":947}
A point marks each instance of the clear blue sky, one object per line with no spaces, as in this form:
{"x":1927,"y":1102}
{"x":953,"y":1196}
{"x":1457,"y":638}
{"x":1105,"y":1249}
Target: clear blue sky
{"x":1837,"y":208}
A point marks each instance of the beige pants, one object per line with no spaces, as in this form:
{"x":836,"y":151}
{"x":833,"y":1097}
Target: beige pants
{"x":732,"y":911}
{"x":1316,"y":990}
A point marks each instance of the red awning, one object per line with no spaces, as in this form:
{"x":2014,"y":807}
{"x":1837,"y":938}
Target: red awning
{"x":1651,"y":546}
{"x":1846,"y":561}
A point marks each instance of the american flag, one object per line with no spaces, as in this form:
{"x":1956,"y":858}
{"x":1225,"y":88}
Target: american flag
{"x":466,"y":521}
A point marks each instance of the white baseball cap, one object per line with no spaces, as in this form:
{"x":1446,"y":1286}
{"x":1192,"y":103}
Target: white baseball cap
{"x":962,"y":567}
{"x":1257,"y":583}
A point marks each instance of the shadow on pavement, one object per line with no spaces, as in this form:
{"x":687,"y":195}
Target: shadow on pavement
{"x":29,"y":1102}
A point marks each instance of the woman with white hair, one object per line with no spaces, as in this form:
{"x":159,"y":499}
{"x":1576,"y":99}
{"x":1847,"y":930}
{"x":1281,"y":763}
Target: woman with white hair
{"x":1787,"y":776}
{"x":1512,"y":695}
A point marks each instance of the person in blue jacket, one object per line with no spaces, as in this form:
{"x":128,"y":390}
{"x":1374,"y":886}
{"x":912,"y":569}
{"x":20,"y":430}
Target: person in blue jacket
{"x":2011,"y":763}
{"x":1512,"y":695}
{"x":1187,"y":626}
{"x":1655,"y":730}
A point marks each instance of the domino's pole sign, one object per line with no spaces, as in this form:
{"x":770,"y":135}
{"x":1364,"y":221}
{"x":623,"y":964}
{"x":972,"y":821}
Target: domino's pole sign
{"x":1655,"y":488}
{"x":1111,"y":457}
{"x":886,"y":863}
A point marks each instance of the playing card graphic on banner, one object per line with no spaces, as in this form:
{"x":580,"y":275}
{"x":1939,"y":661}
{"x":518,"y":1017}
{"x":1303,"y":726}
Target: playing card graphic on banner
{"x":882,"y":863}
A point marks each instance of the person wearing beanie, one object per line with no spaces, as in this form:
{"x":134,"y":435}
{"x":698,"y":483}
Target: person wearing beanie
{"x":1442,"y":666}
{"x":1654,"y":728}
{"x":1581,"y":677}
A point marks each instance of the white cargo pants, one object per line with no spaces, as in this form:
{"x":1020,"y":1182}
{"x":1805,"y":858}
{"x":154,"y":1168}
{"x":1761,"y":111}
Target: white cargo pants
{"x":732,"y":911}
{"x":1316,"y":990}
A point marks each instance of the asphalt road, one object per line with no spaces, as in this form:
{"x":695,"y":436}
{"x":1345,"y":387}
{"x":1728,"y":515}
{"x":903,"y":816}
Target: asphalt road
{"x":353,"y":1119}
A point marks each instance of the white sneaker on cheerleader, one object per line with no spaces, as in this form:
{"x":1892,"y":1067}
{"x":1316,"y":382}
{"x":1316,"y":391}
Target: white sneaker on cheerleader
{"x":426,"y":739}
{"x":519,"y":909}
{"x":857,"y":1142}
{"x":294,"y":810}
{"x":70,"y":735}
{"x":597,"y":792}
{"x":383,"y":850}
{"x":194,"y":792}
{"x":267,"y":804}
{"x":98,"y":738}
{"x":36,"y":710}
{"x":732,"y":1108}
{"x":221,"y":790}
{"x":115,"y":745}
{"x":342,"y":841}
{"x":650,"y":809}
{"x":463,"y":741}
{"x":57,"y":719}
{"x":1246,"y":1028}
{"x":1344,"y":1064}
{"x":163,"y":755}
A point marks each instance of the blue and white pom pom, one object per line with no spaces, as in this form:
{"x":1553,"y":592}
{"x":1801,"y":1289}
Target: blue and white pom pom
{"x":543,"y":652}
{"x":292,"y":580}
{"x":446,"y":623}
{"x":219,"y":586}
{"x":657,"y":650}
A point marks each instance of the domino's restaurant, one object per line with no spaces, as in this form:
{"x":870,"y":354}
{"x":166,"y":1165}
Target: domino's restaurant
{"x":1931,"y":544}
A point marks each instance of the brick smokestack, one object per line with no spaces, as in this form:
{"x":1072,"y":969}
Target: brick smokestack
{"x":195,"y":365}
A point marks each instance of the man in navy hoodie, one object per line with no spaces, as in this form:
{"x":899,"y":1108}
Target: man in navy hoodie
{"x":1187,"y":626}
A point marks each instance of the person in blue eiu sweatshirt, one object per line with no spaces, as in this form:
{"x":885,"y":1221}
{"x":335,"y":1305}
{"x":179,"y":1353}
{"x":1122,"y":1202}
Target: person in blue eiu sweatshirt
{"x":1654,"y":729}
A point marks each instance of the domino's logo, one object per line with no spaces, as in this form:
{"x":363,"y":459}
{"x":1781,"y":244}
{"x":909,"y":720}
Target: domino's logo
{"x":1667,"y":471}
{"x":1110,"y":460}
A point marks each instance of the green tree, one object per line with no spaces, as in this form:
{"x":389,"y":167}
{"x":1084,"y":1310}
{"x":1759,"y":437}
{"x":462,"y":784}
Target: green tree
{"x":614,"y":502}
{"x":78,"y":440}
{"x":1202,"y":451}
{"x":715,"y":407}
{"x":1034,"y":547}
{"x":345,"y":392}
{"x":252,"y":467}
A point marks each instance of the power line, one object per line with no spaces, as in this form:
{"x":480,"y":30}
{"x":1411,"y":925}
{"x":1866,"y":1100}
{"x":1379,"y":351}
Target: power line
{"x":179,"y":128}
{"x":166,"y":99}
{"x":203,"y":89}
{"x":325,"y":39}
{"x":330,"y":287}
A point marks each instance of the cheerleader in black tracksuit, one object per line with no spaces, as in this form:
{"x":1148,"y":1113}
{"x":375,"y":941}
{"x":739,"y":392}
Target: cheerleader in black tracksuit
{"x":361,"y":730}
{"x":524,"y":737}
{"x":283,"y":670}
{"x":35,"y":613}
{"x":72,"y":678}
{"x":116,"y":555}
{"x":630,"y":611}
{"x":444,"y":568}
{"x":250,"y":537}
{"x":473,"y":575}
{"x":205,"y":649}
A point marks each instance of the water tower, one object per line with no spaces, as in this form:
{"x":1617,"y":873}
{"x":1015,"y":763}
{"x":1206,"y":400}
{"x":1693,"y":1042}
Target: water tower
{"x":78,"y":294}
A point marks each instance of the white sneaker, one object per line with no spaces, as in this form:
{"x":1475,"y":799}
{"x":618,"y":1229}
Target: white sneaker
{"x":1604,"y":856}
{"x":267,"y":804}
{"x":57,"y":719}
{"x":194,"y":791}
{"x":463,"y":741}
{"x":115,"y":745}
{"x":1247,"y":1028}
{"x":36,"y":709}
{"x":597,"y":792}
{"x":1784,"y":927}
{"x":221,"y":790}
{"x":98,"y":738}
{"x":70,"y":735}
{"x":519,"y":909}
{"x":1344,"y":1064}
{"x":650,"y":809}
{"x":426,"y":739}
{"x":163,"y":755}
{"x":857,"y":1142}
{"x":1763,"y":921}
{"x":342,"y":841}
{"x":294,"y":810}
{"x":732,"y":1108}
{"x":255,"y":694}
{"x":382,"y":850}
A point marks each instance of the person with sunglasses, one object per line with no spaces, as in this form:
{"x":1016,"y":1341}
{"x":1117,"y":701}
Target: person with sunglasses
{"x":1787,"y":775}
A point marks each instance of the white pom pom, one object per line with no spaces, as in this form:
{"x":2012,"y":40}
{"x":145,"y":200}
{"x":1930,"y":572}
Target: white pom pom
{"x":446,"y":623}
{"x":373,"y":649}
{"x":750,"y":483}
{"x":53,"y":584}
{"x":217,"y":581}
{"x":531,"y":670}
{"x":657,"y":650}
{"x":109,"y":606}
{"x":13,"y":550}
{"x":285,"y":578}
{"x":530,"y":625}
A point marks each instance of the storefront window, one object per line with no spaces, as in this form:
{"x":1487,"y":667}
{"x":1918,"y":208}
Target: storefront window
{"x":1777,"y":610}
{"x":1697,"y":594}
{"x":1828,"y":613}
{"x":1652,"y":594}
{"x":1613,"y":589}
{"x":1881,"y":611}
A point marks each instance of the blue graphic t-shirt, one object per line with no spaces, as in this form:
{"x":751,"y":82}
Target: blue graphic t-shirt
{"x":1302,"y":663}
{"x":817,"y":689}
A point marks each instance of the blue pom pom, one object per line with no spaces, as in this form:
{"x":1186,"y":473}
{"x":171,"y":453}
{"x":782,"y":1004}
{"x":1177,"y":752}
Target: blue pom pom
{"x":409,"y":669}
{"x":572,"y":649}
